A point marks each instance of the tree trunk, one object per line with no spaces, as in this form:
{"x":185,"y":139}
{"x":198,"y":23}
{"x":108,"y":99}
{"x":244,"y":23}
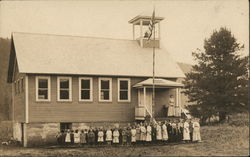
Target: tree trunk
{"x":222,"y":116}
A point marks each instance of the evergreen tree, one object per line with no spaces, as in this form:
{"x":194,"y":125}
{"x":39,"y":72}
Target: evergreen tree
{"x":218,"y":83}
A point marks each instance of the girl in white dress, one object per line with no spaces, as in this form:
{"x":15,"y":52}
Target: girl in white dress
{"x":186,"y":135}
{"x":116,"y":135}
{"x":100,"y":135}
{"x":164,"y":132}
{"x":133,"y":135}
{"x":77,"y":137}
{"x":109,"y":136}
{"x":149,"y":133}
{"x":143,"y":132}
{"x":67,"y":138}
{"x":158,"y":132}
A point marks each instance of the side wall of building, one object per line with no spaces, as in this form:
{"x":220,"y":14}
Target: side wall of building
{"x":75,"y":111}
{"x":18,"y":91}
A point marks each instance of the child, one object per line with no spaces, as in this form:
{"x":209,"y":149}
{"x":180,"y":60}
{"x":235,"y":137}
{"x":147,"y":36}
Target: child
{"x":116,"y":135}
{"x":149,"y":133}
{"x":186,"y":135}
{"x":138,"y":133}
{"x":180,"y":130}
{"x":153,"y":133}
{"x":83,"y":137}
{"x":124,"y":136}
{"x":91,"y":137}
{"x":63,"y":136}
{"x":77,"y":137}
{"x":143,"y":133}
{"x":59,"y":138}
{"x":196,"y":131}
{"x":109,"y":136}
{"x":129,"y":135}
{"x":133,"y":135}
{"x":100,"y":136}
{"x":191,"y":129}
{"x":67,"y":138}
{"x":174,"y":132}
{"x":72,"y":140}
{"x":95,"y":130}
{"x":158,"y":132}
{"x":164,"y":132}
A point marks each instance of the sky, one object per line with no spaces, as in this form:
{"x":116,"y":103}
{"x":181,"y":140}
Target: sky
{"x":186,"y":24}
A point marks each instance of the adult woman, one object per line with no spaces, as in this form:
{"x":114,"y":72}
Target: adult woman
{"x":196,"y":131}
{"x":171,"y":108}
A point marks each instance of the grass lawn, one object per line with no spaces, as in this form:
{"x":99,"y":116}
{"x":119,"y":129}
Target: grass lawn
{"x":220,"y":140}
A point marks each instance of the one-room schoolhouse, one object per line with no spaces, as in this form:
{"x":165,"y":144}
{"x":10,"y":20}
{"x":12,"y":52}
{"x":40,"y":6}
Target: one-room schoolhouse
{"x":64,"y":82}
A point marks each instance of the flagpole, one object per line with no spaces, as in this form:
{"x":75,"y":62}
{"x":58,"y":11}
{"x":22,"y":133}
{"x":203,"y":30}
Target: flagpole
{"x":153,"y":71}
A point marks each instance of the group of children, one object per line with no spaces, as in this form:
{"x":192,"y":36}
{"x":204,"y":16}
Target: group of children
{"x":138,"y":133}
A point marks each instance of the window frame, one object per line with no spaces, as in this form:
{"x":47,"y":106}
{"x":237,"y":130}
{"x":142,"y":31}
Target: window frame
{"x":110,"y":89}
{"x":58,"y":88}
{"x":91,"y":89}
{"x":129,"y":89}
{"x":49,"y":88}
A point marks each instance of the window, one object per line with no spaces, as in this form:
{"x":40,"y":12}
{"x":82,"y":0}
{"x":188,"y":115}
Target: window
{"x":65,"y":126}
{"x":42,"y":88}
{"x":85,"y":89}
{"x":123,"y":90}
{"x":64,"y":89}
{"x":105,"y":89}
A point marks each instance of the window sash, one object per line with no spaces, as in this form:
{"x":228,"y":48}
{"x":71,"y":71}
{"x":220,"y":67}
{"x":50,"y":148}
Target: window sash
{"x":103,"y":91}
{"x":61,"y":89}
{"x":122,"y":90}
{"x":39,"y":89}
{"x":82,"y":89}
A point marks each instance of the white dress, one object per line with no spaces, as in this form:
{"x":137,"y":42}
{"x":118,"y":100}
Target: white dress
{"x":164,"y":132}
{"x":186,"y":135}
{"x":109,"y":135}
{"x":133,"y":135}
{"x":77,"y":137}
{"x":171,"y":108}
{"x":149,"y":133}
{"x":67,"y":138}
{"x":143,"y":133}
{"x":100,"y":136}
{"x":158,"y":132}
{"x":116,"y":136}
{"x":196,"y":131}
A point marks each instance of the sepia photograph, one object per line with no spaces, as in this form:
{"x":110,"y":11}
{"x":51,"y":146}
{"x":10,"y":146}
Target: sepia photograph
{"x":123,"y":78}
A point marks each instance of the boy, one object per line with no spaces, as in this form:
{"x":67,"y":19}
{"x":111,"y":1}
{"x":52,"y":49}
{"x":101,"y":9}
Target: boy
{"x":124,"y":136}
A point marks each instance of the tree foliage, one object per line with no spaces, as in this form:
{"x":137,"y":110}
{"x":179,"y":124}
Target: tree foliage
{"x":218,"y":83}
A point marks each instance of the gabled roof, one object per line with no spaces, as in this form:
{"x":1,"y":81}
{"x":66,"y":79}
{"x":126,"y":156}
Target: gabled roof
{"x":159,"y":83}
{"x":57,"y":54}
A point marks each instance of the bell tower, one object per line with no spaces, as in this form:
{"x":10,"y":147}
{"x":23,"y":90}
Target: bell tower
{"x":141,"y":35}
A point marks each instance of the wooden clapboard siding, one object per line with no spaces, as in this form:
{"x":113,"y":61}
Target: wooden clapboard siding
{"x":19,"y":98}
{"x":76,"y":111}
